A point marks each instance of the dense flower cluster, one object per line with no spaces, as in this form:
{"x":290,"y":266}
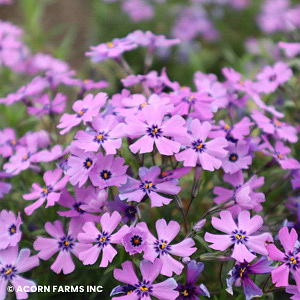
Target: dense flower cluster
{"x":108,"y":164}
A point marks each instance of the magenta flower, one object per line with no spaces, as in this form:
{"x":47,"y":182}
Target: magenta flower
{"x":4,"y":186}
{"x":109,"y":171}
{"x":80,"y":165}
{"x":161,"y":247}
{"x":237,"y":157}
{"x":290,"y":49}
{"x":113,"y":49}
{"x":13,"y":263}
{"x":240,"y":236}
{"x":105,"y":132}
{"x":85,"y":109}
{"x":129,"y":212}
{"x":279,"y":153}
{"x":242,"y":193}
{"x":290,"y":258}
{"x":272,"y":77}
{"x":145,"y":288}
{"x":151,"y":129}
{"x":240,"y":275}
{"x":60,"y":242}
{"x":150,"y":185}
{"x":234,"y":132}
{"x":101,"y":241}
{"x":43,"y":105}
{"x":198,"y":151}
{"x":279,"y":129}
{"x":79,"y":209}
{"x":10,"y":233}
{"x":150,"y":40}
{"x":50,"y":193}
{"x":8,"y":142}
{"x":135,"y":240}
{"x":191,"y":290}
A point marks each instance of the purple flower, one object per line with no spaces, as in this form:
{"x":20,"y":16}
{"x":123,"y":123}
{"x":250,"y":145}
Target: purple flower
{"x":109,"y":171}
{"x":150,"y":40}
{"x":43,"y":105}
{"x":113,"y":49}
{"x":135,"y":240}
{"x":240,"y":236}
{"x":190,"y":290}
{"x":237,"y":157}
{"x":272,"y":77}
{"x":98,"y":241}
{"x":152,"y":129}
{"x":8,"y":142}
{"x":292,"y":289}
{"x":279,"y":129}
{"x":150,"y":185}
{"x":240,"y":275}
{"x":199,"y":151}
{"x":50,"y":193}
{"x":290,"y":259}
{"x":161,"y":247}
{"x":129,"y":212}
{"x":10,"y":233}
{"x":232,"y":133}
{"x":79,"y":209}
{"x":105,"y":132}
{"x":290,"y":49}
{"x":4,"y":187}
{"x":242,"y":193}
{"x":13,"y":263}
{"x":85,"y":109}
{"x":80,"y":165}
{"x":145,"y":288}
{"x":279,"y":153}
{"x":60,"y":242}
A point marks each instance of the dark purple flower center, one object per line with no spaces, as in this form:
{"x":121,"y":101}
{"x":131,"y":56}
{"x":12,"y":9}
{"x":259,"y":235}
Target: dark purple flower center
{"x":162,"y":247}
{"x":105,"y":174}
{"x":26,"y":156}
{"x":239,"y":236}
{"x":198,"y":146}
{"x":292,"y":260}
{"x":87,"y":163}
{"x":147,"y":186}
{"x":78,"y":209}
{"x":230,"y":138}
{"x":240,"y":270}
{"x":8,"y":272}
{"x":12,"y":229}
{"x":81,"y":112}
{"x":130,"y":212}
{"x":154,"y":131}
{"x":103,"y":239}
{"x":66,"y":243}
{"x":47,"y":190}
{"x":101,"y":137}
{"x":136,"y":241}
{"x":186,"y":291}
{"x":143,"y":288}
{"x":273,"y":77}
{"x":233,"y":157}
{"x":190,"y":99}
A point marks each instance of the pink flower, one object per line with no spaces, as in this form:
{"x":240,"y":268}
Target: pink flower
{"x":50,"y":193}
{"x":98,"y":241}
{"x":86,"y":110}
{"x":198,"y":151}
{"x":290,"y":259}
{"x":239,"y":235}
{"x":109,"y":171}
{"x":151,"y":129}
